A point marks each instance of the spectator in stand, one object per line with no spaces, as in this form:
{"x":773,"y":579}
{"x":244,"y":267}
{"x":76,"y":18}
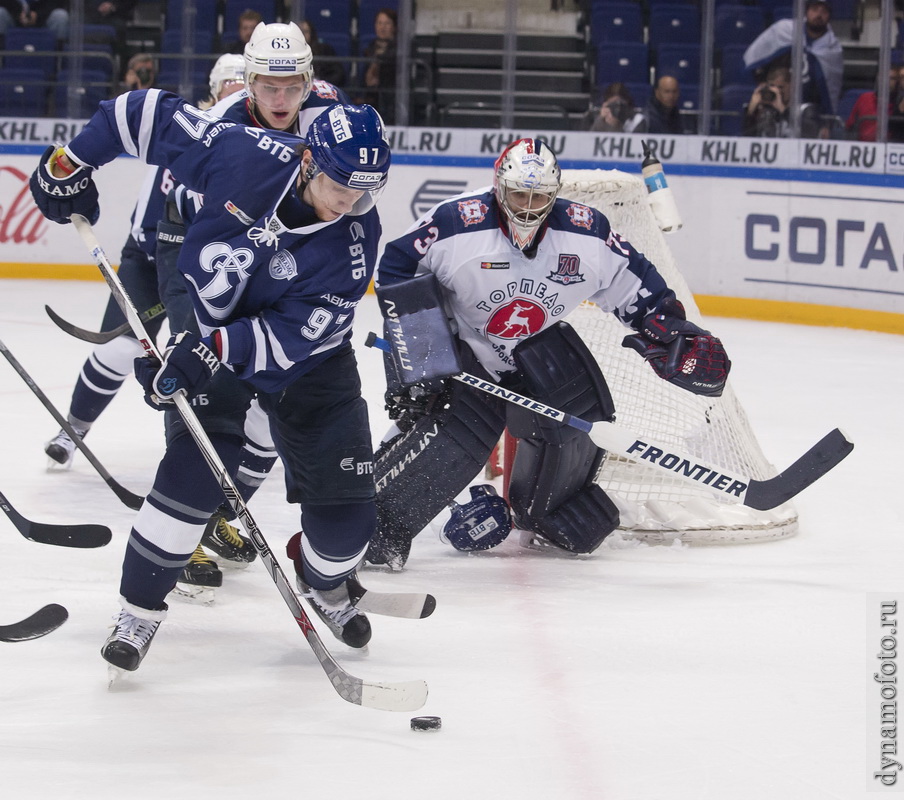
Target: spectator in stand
{"x":863,"y":122}
{"x":330,"y":71}
{"x":141,"y":72}
{"x":618,"y":112}
{"x":380,"y":72}
{"x":53,"y":14}
{"x":662,"y":113}
{"x":768,"y":110}
{"x":115,"y":13}
{"x":248,"y":21}
{"x":823,"y":61}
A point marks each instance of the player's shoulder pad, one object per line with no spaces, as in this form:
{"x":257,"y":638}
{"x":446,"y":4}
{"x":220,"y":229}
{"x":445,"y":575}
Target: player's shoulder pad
{"x":573,"y":217}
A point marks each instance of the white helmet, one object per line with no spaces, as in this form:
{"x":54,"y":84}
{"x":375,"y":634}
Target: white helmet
{"x":527,"y":182}
{"x":229,"y":67}
{"x":279,"y":49}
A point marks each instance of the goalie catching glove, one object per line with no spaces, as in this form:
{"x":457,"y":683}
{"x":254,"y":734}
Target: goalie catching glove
{"x":188,"y":365}
{"x":59,"y":198}
{"x":681,"y":352}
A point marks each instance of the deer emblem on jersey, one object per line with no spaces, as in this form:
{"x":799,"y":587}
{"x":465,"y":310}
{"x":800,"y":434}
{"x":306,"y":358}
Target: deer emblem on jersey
{"x":517,"y":320}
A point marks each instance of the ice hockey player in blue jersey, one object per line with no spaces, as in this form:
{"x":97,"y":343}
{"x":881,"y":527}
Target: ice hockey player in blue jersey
{"x":481,"y":283}
{"x":277,"y":259}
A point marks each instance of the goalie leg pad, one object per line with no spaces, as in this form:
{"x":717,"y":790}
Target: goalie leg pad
{"x":419,"y":472}
{"x":418,"y":329}
{"x":555,"y":465}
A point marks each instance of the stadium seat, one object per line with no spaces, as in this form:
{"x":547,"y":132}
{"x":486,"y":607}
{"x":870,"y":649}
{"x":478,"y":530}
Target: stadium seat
{"x":732,"y":99}
{"x":206,"y":18}
{"x":731,"y":66}
{"x":848,"y":99}
{"x":616,"y":22}
{"x":681,"y":61}
{"x":332,"y":16}
{"x":23,"y":93}
{"x":737,"y":24}
{"x":641,"y":92}
{"x":674,"y":24}
{"x":626,"y":63}
{"x":93,"y":88}
{"x":27,"y":41}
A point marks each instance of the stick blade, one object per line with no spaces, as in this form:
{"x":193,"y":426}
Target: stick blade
{"x":81,"y":536}
{"x":43,"y":621}
{"x":405,"y":696}
{"x":827,"y":453}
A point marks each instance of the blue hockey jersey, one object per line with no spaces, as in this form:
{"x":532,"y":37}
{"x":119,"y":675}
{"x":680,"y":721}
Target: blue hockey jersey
{"x":497,"y":295}
{"x":282,"y":297}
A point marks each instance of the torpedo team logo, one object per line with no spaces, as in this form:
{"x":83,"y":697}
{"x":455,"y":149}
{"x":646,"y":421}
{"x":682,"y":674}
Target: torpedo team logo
{"x":516,"y":319}
{"x":472,"y":211}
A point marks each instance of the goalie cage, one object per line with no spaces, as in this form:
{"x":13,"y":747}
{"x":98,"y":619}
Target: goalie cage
{"x":655,"y":507}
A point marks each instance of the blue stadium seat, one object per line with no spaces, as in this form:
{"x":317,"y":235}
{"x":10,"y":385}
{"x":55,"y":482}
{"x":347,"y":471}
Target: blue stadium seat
{"x":674,"y":24}
{"x":23,"y":93}
{"x":171,"y":42}
{"x":100,"y":60}
{"x":332,"y":16}
{"x":616,"y":22}
{"x":625,"y":63}
{"x":206,"y":18}
{"x":27,"y":41}
{"x":848,"y":98}
{"x":641,"y":92}
{"x":736,"y":24}
{"x":681,"y":61}
{"x":732,"y":98}
{"x":94,"y":87}
{"x":731,"y":66}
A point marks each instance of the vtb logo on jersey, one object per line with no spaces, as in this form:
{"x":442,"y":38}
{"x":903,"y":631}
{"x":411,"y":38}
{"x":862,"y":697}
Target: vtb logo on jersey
{"x":472,"y":211}
{"x":516,"y":319}
{"x":568,"y":270}
{"x":580,"y":216}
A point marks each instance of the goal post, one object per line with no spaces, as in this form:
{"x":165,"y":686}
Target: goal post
{"x":654,"y":507}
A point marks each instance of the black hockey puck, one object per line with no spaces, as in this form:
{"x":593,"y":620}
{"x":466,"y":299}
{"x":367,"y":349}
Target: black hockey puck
{"x":426,"y":723}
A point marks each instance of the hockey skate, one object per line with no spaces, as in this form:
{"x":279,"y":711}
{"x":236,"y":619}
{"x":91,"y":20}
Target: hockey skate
{"x":61,"y":449}
{"x":133,"y":631}
{"x":199,"y":578}
{"x":226,"y":542}
{"x":334,"y":607}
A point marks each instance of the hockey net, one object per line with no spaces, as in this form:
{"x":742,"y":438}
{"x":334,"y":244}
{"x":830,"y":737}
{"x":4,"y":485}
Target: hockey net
{"x":654,"y":506}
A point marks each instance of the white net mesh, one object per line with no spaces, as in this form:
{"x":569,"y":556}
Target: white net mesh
{"x":655,"y":506}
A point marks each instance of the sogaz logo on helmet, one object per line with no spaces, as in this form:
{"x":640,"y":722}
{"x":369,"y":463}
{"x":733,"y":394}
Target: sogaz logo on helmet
{"x":282,"y":64}
{"x":364,"y":180}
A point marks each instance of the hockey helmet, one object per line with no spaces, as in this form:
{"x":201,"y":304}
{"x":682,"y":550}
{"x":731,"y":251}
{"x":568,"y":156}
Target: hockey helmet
{"x":228,"y":67}
{"x":279,"y":49}
{"x":348,"y":144}
{"x":479,"y":525}
{"x":527,"y":182}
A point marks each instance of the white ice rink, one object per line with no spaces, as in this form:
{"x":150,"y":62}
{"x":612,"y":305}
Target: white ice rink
{"x":637,"y":673}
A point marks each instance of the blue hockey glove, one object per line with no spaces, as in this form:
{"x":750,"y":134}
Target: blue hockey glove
{"x":188,"y":365}
{"x":681,"y":352}
{"x":60,"y":198}
{"x":481,"y":524}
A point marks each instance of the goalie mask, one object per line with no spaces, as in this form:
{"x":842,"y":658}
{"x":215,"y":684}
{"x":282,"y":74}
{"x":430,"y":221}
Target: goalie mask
{"x":228,"y":69}
{"x":527,"y":181}
{"x":278,"y":50}
{"x":348,"y":146}
{"x":479,"y":525}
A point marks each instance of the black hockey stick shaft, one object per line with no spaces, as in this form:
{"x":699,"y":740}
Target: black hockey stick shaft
{"x":100,"y":337}
{"x":87,"y":535}
{"x":407,"y":696}
{"x":133,"y":501}
{"x":727,"y":484}
{"x":45,"y":620}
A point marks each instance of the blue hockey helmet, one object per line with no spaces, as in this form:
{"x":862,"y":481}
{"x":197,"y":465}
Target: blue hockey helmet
{"x":481,"y":524}
{"x":348,"y":144}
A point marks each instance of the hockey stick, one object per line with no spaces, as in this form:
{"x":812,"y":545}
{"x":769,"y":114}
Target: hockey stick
{"x":61,"y":535}
{"x":43,"y":621}
{"x":101,"y":337}
{"x":735,"y":487}
{"x":406,"y":696}
{"x":133,"y":501}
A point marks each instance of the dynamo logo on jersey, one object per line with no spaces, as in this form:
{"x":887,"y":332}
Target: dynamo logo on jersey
{"x":283,"y":266}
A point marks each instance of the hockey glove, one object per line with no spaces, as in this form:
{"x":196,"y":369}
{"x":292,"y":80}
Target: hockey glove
{"x":60,"y":198}
{"x":188,"y":365}
{"x":681,"y":352}
{"x":481,"y":524}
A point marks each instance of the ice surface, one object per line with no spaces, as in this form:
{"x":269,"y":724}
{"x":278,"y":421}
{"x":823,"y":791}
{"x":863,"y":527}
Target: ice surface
{"x":637,"y":673}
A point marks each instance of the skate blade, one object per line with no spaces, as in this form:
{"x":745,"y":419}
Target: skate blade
{"x":115,"y":677}
{"x":56,"y":466}
{"x":199,"y":595}
{"x":225,"y":563}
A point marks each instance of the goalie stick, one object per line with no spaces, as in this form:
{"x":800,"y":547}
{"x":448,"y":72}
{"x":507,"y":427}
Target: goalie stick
{"x":133,"y":501}
{"x":404,"y":696}
{"x":100,"y":337}
{"x":731,"y":486}
{"x":86,"y":535}
{"x":43,"y":621}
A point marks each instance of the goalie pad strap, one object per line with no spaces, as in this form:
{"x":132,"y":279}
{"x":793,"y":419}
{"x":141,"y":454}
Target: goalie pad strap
{"x":418,"y":330}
